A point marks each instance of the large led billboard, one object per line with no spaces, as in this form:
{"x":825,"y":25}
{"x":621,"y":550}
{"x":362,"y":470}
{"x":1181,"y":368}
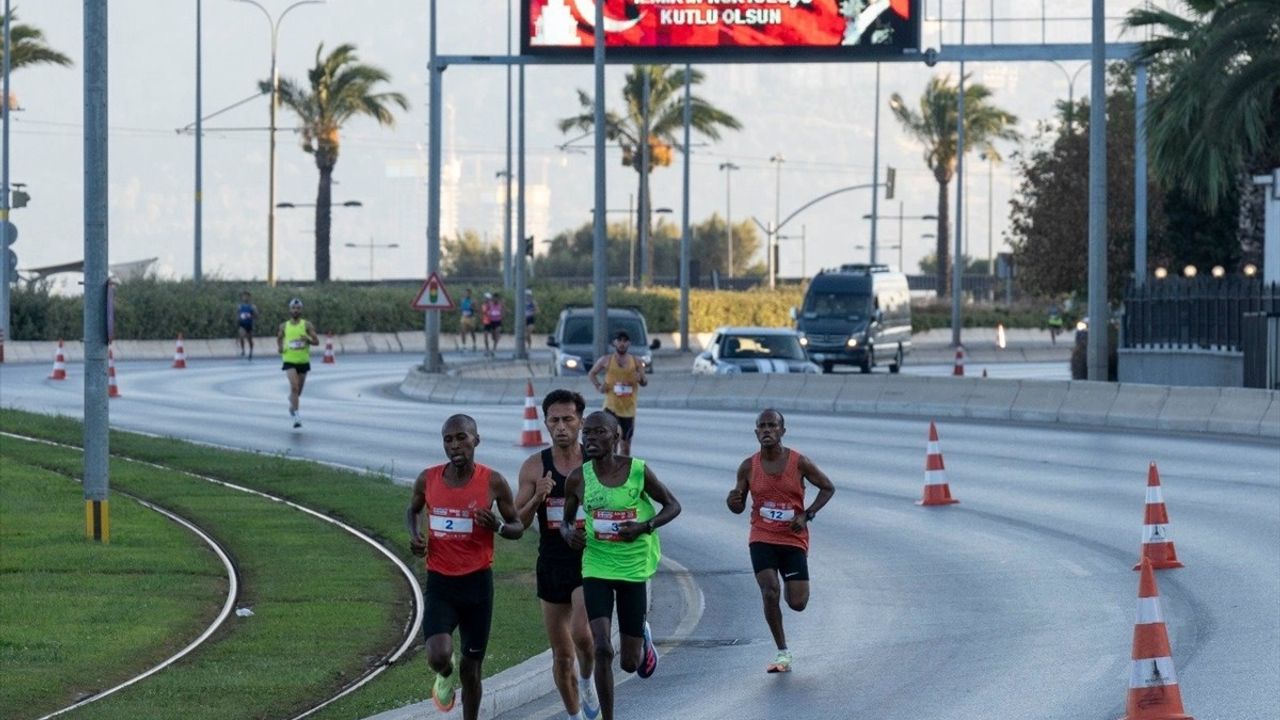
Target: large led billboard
{"x":664,"y":30}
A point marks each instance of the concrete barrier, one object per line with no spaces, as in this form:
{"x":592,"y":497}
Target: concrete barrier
{"x":666,"y":391}
{"x":1087,"y":403}
{"x":808,"y":393}
{"x":899,"y":397}
{"x":1038,"y":400}
{"x":1270,"y":425}
{"x":727,"y":392}
{"x":1135,"y":406}
{"x":990,"y":400}
{"x":944,"y":396}
{"x":1240,"y":410}
{"x":859,"y":395}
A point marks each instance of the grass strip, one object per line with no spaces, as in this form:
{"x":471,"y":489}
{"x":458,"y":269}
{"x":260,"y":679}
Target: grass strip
{"x":70,"y":610}
{"x":373,"y":504}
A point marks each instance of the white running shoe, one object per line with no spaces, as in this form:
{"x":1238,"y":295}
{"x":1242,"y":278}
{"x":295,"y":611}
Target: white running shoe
{"x":297,"y":419}
{"x":781,"y":663}
{"x":587,"y":697}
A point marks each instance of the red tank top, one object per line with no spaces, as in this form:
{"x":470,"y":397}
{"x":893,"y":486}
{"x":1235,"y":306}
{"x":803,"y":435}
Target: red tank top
{"x":775,"y":499}
{"x":456,"y":545}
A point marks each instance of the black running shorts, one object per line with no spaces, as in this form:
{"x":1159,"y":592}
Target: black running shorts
{"x":302,"y":368}
{"x":626,"y":424}
{"x":464,"y":602}
{"x":599,"y":595}
{"x":789,"y":561}
{"x":558,"y":578}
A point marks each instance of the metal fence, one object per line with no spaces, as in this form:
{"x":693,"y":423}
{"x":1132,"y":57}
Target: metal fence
{"x":1260,"y":337}
{"x":1198,"y":313}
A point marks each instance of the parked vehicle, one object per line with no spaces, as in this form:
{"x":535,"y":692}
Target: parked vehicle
{"x":856,"y":315}
{"x":738,"y":350}
{"x":574,"y":344}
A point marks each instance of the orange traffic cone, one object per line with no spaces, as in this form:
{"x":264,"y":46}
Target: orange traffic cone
{"x":179,"y":354}
{"x":1153,"y":684}
{"x":329,"y":359}
{"x":936,"y":490}
{"x":59,"y":364}
{"x":113,"y":390}
{"x":531,"y":436}
{"x":1000,"y":340}
{"x":958,"y":370}
{"x":1156,"y":544}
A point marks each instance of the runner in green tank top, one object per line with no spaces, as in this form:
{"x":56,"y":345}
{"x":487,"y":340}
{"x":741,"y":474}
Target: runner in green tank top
{"x":620,"y":548}
{"x":293,"y":341}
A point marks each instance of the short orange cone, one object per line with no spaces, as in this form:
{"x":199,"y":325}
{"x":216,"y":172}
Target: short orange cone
{"x":113,"y":390}
{"x":1153,"y":684}
{"x":1156,"y":544}
{"x":531,"y":436}
{"x":329,"y":359}
{"x":958,"y":369}
{"x":179,"y":354}
{"x":936,"y":490}
{"x":59,"y":364}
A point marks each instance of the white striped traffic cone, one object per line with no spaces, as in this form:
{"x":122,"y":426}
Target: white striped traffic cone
{"x":1153,"y":683}
{"x":958,"y":369}
{"x":329,"y":358}
{"x":936,"y":490}
{"x":113,"y":390}
{"x":1000,"y":339}
{"x":531,"y":435}
{"x":1156,"y":543}
{"x":179,"y":354}
{"x":59,"y":364}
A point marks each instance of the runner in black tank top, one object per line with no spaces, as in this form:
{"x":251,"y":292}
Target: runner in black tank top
{"x":559,"y":574}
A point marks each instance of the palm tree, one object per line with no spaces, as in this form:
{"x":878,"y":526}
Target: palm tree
{"x":666,"y":120}
{"x":934,"y":125}
{"x":29,"y":47}
{"x":339,"y":88}
{"x":1215,"y":119}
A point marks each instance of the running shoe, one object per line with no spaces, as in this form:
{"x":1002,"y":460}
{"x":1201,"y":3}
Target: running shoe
{"x":442,"y":693}
{"x":781,"y":663}
{"x":297,"y":419}
{"x":650,"y":661}
{"x":587,"y":695}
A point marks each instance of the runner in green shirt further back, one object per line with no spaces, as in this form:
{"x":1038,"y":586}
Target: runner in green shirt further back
{"x":620,"y":548}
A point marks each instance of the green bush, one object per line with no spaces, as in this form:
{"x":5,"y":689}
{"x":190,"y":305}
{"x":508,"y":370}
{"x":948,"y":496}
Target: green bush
{"x":153,"y":309}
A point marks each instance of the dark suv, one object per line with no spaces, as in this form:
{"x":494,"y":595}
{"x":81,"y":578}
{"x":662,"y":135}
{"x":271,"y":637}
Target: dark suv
{"x":574,"y":348}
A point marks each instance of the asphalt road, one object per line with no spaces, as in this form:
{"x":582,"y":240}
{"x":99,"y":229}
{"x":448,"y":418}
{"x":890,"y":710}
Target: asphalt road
{"x":1016,"y":603}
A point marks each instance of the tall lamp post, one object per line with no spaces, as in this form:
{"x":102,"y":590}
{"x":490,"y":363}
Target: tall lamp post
{"x":991,"y":180}
{"x":728,"y":169}
{"x":1071,"y":91}
{"x":772,"y":264}
{"x":274,"y":22}
{"x":372,"y":246}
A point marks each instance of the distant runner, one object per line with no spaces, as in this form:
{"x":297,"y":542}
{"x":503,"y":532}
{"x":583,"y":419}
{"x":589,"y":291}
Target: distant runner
{"x":466,"y":321}
{"x":621,"y":548}
{"x":457,"y":498}
{"x":779,"y":540}
{"x":559,"y":576}
{"x":623,"y":377}
{"x":246,"y":316}
{"x":293,"y":341}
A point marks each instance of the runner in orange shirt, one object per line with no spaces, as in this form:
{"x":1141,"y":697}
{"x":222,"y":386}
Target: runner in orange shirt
{"x":779,"y":540}
{"x":458,"y":498}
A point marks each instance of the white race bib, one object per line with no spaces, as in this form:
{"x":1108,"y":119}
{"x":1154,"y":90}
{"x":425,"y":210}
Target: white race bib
{"x":297,"y":344}
{"x":776,"y":514}
{"x":446,"y":523}
{"x":555,"y":513}
{"x":622,"y":390}
{"x":607,"y":523}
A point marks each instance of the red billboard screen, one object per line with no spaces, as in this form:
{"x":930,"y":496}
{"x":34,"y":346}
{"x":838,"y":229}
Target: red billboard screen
{"x":784,"y":29}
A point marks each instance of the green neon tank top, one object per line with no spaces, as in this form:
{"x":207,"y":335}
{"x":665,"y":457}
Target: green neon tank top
{"x":608,"y":556}
{"x":297,"y":349}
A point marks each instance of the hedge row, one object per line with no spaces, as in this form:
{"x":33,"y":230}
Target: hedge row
{"x":151,"y":309}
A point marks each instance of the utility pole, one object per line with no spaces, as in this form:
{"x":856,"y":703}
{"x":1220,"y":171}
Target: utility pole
{"x":772,"y":264}
{"x":97,"y":415}
{"x":728,"y":169}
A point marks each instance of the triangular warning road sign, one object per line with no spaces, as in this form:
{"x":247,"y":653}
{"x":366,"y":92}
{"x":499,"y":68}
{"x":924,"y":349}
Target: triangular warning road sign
{"x":432,"y":296}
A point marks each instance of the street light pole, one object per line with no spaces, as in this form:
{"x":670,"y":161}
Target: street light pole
{"x":372,"y":245}
{"x":1071,"y":85}
{"x":728,"y":169}
{"x":875,"y":171}
{"x":777,"y":220}
{"x":274,"y":23}
{"x":198,"y":265}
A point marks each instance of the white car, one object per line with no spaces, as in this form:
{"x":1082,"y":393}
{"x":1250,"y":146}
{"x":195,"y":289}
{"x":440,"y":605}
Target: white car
{"x":739,"y":350}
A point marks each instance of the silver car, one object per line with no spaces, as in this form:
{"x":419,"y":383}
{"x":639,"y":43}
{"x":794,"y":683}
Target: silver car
{"x":738,"y":350}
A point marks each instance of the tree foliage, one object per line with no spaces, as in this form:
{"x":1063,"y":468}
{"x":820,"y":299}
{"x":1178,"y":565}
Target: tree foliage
{"x":29,"y":47}
{"x":1049,"y":212}
{"x":666,"y":123}
{"x":467,"y":255}
{"x":339,"y":88}
{"x":935,"y":125}
{"x":1214,"y":117}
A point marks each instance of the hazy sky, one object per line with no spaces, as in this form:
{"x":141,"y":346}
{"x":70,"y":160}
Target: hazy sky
{"x":819,"y":117}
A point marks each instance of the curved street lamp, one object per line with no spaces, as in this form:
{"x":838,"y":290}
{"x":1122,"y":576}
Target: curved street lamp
{"x":274,"y":23}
